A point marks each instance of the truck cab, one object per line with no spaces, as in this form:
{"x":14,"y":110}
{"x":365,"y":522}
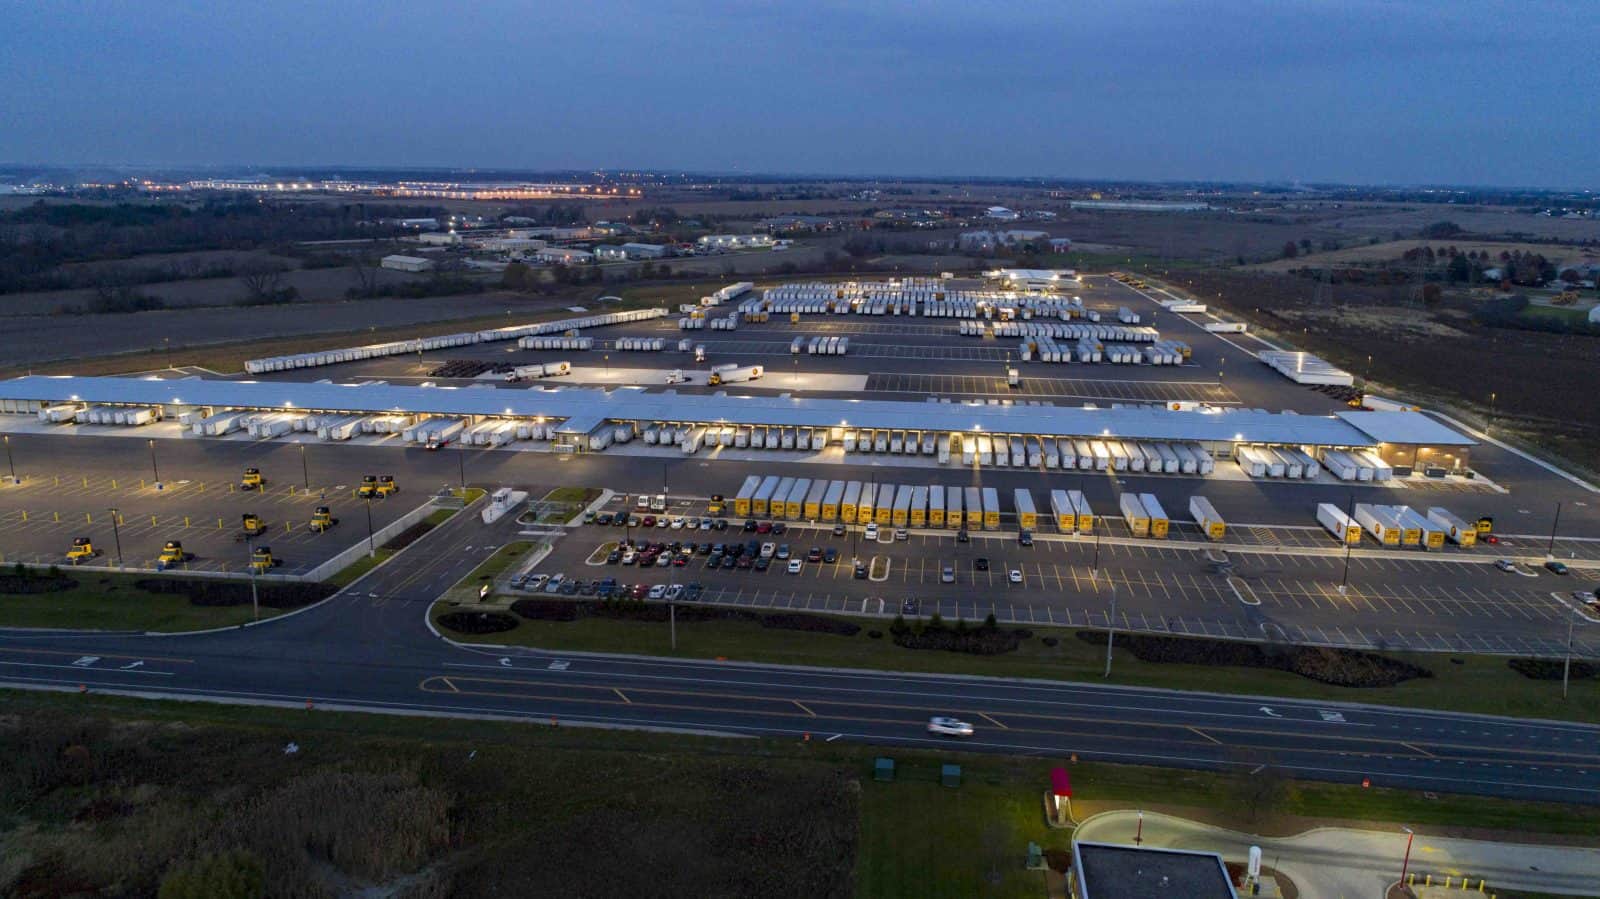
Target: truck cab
{"x":369,"y":486}
{"x":82,"y":548}
{"x":172,"y":555}
{"x":252,"y":479}
{"x":717,"y":505}
{"x":386,"y":485}
{"x":253,"y":525}
{"x":262,"y":560}
{"x":322,"y":519}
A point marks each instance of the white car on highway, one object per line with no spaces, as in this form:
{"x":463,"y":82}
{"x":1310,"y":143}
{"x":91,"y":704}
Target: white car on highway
{"x":949,"y":727}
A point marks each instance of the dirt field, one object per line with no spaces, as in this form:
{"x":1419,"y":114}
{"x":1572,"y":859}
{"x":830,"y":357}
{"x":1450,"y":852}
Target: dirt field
{"x":1542,"y":381}
{"x":315,"y":285}
{"x":1393,"y":250}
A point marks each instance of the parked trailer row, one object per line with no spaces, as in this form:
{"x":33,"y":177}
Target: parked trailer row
{"x":556,"y":343}
{"x":645,"y":344}
{"x":1277,"y":462}
{"x":1069,"y":331}
{"x":444,"y":341}
{"x":1334,"y":520}
{"x":1356,"y":465}
{"x":1205,"y":515}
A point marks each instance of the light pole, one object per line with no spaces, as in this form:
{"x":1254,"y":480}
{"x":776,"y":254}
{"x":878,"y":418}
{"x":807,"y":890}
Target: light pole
{"x":153,"y":469}
{"x":10,"y":464}
{"x":1405,"y":864}
{"x":1566,"y":666}
{"x":1111,"y":626}
{"x":372,"y":548}
{"x":1490,"y":426}
{"x":1551,"y":552}
{"x":305,"y":474}
{"x":116,"y":535}
{"x":1344,"y":579}
{"x":461,"y":465}
{"x":250,"y":560}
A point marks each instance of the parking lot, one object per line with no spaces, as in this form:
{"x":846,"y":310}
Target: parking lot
{"x":40,"y":518}
{"x":1397,"y":602}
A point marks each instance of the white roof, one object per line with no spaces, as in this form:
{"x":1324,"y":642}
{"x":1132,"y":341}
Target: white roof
{"x":408,"y":259}
{"x":585,"y":407}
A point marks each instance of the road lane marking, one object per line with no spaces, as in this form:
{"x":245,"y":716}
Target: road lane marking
{"x":622,"y":695}
{"x":1415,"y":748}
{"x":803,"y":707}
{"x":1202,"y":733}
{"x":991,"y":720}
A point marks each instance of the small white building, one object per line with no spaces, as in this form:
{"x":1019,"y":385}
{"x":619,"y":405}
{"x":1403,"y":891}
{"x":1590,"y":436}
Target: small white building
{"x":977,"y":241}
{"x":646,"y":251}
{"x":1036,"y":280}
{"x":1060,"y":244}
{"x":564,"y":256}
{"x":1001,"y":214}
{"x":606,"y":253}
{"x":734,"y":241}
{"x":439,"y":238}
{"x":407,"y":263}
{"x":1018,"y":236}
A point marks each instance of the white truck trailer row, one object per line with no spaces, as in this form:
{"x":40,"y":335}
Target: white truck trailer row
{"x":444,"y":341}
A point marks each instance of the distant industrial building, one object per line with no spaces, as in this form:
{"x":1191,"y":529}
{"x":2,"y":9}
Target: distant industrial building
{"x":564,"y":256}
{"x":646,"y":251}
{"x":511,"y":244}
{"x":734,"y":241}
{"x":608,"y":253}
{"x":439,"y":238}
{"x":1001,"y":214}
{"x":1107,"y":871}
{"x":1035,"y":280}
{"x":977,"y":241}
{"x":1139,"y":206}
{"x":407,"y":263}
{"x":1018,"y":236}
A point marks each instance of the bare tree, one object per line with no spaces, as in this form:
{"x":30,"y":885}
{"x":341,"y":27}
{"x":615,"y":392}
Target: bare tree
{"x":366,"y":274}
{"x":263,"y":280}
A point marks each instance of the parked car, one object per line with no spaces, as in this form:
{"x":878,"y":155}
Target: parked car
{"x":614,"y":557}
{"x":604,"y":518}
{"x":949,"y":727}
{"x":911,"y":607}
{"x":861,"y":571}
{"x":871,"y":532}
{"x":1505,"y":565}
{"x":761,"y":564}
{"x":1025,"y":538}
{"x":783,"y":551}
{"x":838,"y":530}
{"x":750,"y":526}
{"x":901,"y":534}
{"x":1015,"y":576}
{"x":674,"y":593}
{"x":980,"y":564}
{"x":795,"y":565}
{"x":648,"y":521}
{"x":764,"y":527}
{"x":657,"y":592}
{"x":830,"y":555}
{"x":768,"y":549}
{"x":779,"y":528}
{"x":1555,"y":567}
{"x":963,"y":537}
{"x":815,"y":555}
{"x":947,"y":575}
{"x":535,"y":581}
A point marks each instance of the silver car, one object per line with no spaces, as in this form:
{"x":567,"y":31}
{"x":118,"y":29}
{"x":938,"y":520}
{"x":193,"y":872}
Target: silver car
{"x":949,"y":727}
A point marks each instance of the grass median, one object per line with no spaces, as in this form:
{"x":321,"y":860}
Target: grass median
{"x":715,"y":816}
{"x":1463,"y":683}
{"x":93,"y":599}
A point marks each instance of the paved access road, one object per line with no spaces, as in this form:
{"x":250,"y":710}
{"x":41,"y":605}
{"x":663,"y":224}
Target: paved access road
{"x":370,"y":648}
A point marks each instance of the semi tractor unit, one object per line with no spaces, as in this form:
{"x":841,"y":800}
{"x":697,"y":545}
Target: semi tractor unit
{"x":173,"y":555}
{"x":82,"y":550}
{"x":252,"y":479}
{"x":322,"y":519}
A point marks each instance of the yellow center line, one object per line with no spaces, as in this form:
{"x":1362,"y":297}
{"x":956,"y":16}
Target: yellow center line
{"x":803,"y":707}
{"x":1202,"y":733}
{"x":623,"y":696}
{"x":992,"y":721}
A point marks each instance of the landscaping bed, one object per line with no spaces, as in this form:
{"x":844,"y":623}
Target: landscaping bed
{"x":410,"y":535}
{"x":234,"y":593}
{"x":1336,"y":667}
{"x":983,"y":640}
{"x":478,"y":622}
{"x":639,"y":610}
{"x":1551,"y":669}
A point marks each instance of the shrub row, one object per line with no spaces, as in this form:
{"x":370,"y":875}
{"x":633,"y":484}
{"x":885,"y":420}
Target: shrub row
{"x":984,"y":640}
{"x":1550,"y":669}
{"x":478,"y":622}
{"x":539,"y":609}
{"x":32,"y":584}
{"x":1337,"y":667}
{"x":409,"y":536}
{"x":233,"y":593}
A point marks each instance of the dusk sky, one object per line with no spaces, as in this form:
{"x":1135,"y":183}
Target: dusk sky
{"x":1476,"y":92}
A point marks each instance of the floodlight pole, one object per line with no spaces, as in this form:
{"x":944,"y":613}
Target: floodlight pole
{"x":1111,"y":627}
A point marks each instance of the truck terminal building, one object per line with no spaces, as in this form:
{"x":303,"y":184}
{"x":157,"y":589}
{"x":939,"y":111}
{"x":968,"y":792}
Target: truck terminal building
{"x":586,"y":420}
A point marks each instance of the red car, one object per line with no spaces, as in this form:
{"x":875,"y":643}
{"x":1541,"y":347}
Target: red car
{"x":649,"y":521}
{"x":764,"y":527}
{"x":680,"y":561}
{"x":638,"y":591}
{"x":1491,"y":539}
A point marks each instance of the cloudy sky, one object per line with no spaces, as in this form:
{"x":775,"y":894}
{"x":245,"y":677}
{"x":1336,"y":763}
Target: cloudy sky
{"x":1470,"y":91}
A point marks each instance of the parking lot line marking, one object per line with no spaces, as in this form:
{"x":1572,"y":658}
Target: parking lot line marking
{"x":993,"y":721}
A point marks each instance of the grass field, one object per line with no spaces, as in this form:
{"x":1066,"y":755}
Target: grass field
{"x":466,"y":590}
{"x":1393,"y":250}
{"x":1481,"y":684}
{"x":102,"y":789}
{"x":108,"y":601}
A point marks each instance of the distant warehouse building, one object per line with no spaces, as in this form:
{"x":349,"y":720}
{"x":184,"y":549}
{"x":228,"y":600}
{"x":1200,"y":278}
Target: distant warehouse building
{"x":1136,"y":206}
{"x":564,"y":256}
{"x":646,"y":251}
{"x":407,"y":263}
{"x":734,"y":241}
{"x":608,"y":253}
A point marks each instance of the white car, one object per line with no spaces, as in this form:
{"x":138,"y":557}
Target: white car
{"x":767,"y":550}
{"x":673,"y":592}
{"x":662,"y":522}
{"x":629,"y":555}
{"x":947,"y":575}
{"x":535,"y":581}
{"x":1015,"y":576}
{"x":872,"y":531}
{"x":795,"y":565}
{"x":676,"y":524}
{"x":901,"y":534}
{"x":705,"y":524}
{"x":663,"y":560}
{"x":658,"y":591}
{"x":949,"y":727}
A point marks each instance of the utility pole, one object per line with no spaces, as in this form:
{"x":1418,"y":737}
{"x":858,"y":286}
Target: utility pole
{"x":1111,"y":626}
{"x":1551,"y":552}
{"x":1566,"y":666}
{"x":116,"y":535}
{"x":250,"y":559}
{"x":1406,"y":863}
{"x":305,"y":474}
{"x":372,"y":548}
{"x":1344,"y":579}
{"x":10,"y":464}
{"x":153,"y":469}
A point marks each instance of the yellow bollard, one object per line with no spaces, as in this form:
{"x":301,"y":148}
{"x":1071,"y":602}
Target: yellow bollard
{"x":58,"y":516}
{"x":1429,"y":881}
{"x":1480,"y":884}
{"x":1411,"y":878}
{"x":87,"y":518}
{"x":57,"y":481}
{"x":24,"y":514}
{"x":121,"y":521}
{"x":219,"y":524}
{"x":85,"y":482}
{"x":113,"y":483}
{"x":141,"y":483}
{"x":152,"y":521}
{"x":185,"y":521}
